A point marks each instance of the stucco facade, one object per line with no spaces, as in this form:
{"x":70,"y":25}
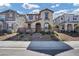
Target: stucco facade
{"x":13,"y":20}
{"x":67,"y":22}
{"x":43,"y":21}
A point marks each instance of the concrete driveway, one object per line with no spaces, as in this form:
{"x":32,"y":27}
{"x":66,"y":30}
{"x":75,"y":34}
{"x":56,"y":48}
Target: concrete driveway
{"x":38,"y":48}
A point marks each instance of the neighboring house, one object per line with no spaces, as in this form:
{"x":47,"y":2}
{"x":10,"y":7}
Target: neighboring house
{"x":11,"y":20}
{"x":2,"y":23}
{"x":67,"y":22}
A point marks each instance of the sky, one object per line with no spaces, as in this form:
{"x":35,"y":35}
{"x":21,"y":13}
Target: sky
{"x":25,"y":8}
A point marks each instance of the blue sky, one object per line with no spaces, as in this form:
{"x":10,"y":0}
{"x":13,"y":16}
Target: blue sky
{"x":25,"y":8}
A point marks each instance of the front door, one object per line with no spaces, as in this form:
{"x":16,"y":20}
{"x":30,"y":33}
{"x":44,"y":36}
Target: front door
{"x":38,"y":27}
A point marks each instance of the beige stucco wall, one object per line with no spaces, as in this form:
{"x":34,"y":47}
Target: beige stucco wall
{"x":20,"y":22}
{"x":42,"y":21}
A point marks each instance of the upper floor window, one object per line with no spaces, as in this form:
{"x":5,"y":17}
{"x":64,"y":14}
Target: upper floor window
{"x":46,"y":15}
{"x":75,"y":17}
{"x":36,"y":17}
{"x":30,"y":17}
{"x":61,"y":18}
{"x":68,"y":19}
{"x":10,"y":15}
{"x":2,"y":17}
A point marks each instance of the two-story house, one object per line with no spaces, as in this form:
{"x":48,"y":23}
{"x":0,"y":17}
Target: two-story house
{"x":40,"y":22}
{"x":67,"y":22}
{"x":12,"y":20}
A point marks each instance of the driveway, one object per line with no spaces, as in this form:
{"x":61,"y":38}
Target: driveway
{"x":38,"y":48}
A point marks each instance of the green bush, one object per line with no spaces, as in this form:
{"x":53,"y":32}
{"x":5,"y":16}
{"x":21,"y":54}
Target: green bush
{"x":43,"y":32}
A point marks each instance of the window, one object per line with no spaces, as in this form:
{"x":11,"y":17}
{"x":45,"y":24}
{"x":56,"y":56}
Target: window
{"x":9,"y":19}
{"x":10,"y":15}
{"x":62,"y":26}
{"x":2,"y":17}
{"x":46,"y":25}
{"x":36,"y":17}
{"x":10,"y":25}
{"x":68,"y":19}
{"x":29,"y":26}
{"x":46,"y":15}
{"x":61,"y":18}
{"x":75,"y":17}
{"x":30,"y":17}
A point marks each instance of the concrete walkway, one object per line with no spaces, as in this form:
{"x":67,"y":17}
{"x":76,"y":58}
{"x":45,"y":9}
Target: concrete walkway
{"x":38,"y":48}
{"x":3,"y":37}
{"x":66,"y":37}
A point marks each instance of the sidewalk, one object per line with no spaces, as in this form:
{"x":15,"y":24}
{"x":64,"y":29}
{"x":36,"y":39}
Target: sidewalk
{"x":38,"y":48}
{"x":3,"y":37}
{"x":40,"y":44}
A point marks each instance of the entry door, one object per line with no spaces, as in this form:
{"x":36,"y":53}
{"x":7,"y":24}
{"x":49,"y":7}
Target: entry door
{"x":38,"y":27}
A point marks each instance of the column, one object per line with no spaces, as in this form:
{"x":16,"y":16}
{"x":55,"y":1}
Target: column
{"x":65,"y":27}
{"x":60,"y":27}
{"x":73,"y":27}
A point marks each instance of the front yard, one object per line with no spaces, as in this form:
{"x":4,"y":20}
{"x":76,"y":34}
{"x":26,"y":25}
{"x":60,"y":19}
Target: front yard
{"x":68,"y":36}
{"x":42,"y":36}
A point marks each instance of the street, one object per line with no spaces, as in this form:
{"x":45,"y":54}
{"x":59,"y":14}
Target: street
{"x":39,"y":48}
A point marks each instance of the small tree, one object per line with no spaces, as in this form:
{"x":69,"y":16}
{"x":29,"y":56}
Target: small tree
{"x":56,"y":26}
{"x":77,"y":28}
{"x":49,"y":27}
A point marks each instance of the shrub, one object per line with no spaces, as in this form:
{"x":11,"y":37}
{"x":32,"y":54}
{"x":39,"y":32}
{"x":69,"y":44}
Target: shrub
{"x":43,"y":32}
{"x":4,"y":31}
{"x":1,"y":33}
{"x":9,"y":32}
